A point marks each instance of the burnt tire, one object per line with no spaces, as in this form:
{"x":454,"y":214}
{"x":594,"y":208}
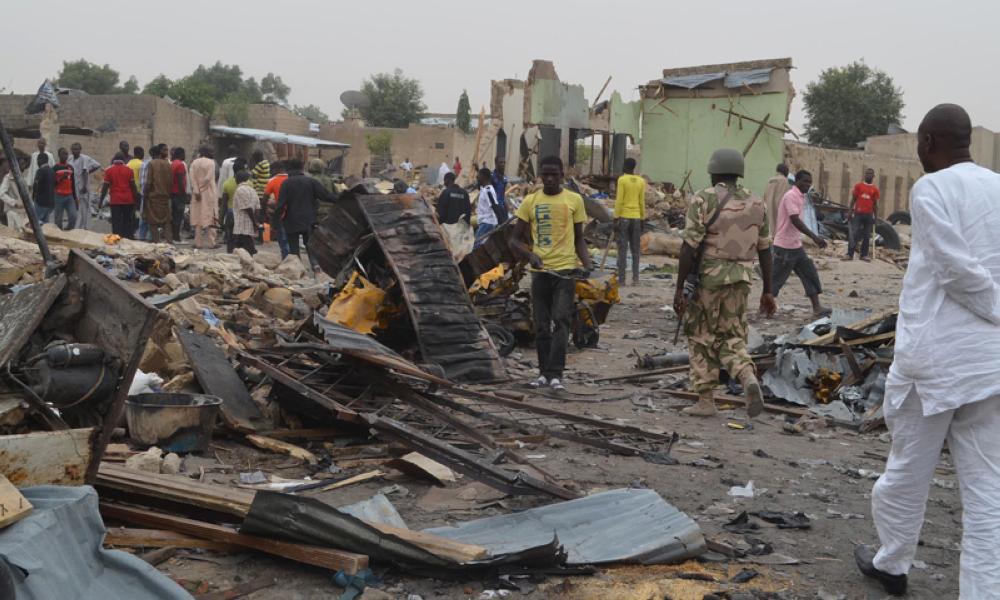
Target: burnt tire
{"x":502,"y":338}
{"x":888,"y":235}
{"x":900,"y":216}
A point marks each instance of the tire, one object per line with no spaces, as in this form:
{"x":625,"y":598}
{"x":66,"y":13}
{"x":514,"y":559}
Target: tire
{"x":890,"y":239}
{"x":503,"y":339}
{"x":900,"y":216}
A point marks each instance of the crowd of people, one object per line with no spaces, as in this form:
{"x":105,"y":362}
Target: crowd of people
{"x":157,"y":195}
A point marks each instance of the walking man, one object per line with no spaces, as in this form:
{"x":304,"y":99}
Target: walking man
{"x":555,"y":247}
{"x":453,"y":204}
{"x":298,"y":204}
{"x":272,"y":192}
{"x":864,"y":201}
{"x":777,"y":186}
{"x":157,"y":191}
{"x":83,"y":167}
{"x":789,"y":255}
{"x":725,"y":230}
{"x":944,"y":382}
{"x":489,"y":213}
{"x":630,"y":211}
{"x":66,"y":199}
{"x":205,"y":198}
{"x":120,"y":182}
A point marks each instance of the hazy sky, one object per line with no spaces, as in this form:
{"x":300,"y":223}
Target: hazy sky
{"x":936,"y":52}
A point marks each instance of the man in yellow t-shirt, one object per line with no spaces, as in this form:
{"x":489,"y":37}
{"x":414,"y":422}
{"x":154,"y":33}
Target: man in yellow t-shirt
{"x":136,"y":164}
{"x":630,"y":210}
{"x":555,"y":218}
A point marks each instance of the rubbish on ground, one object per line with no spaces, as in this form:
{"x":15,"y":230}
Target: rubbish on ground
{"x":785,"y":520}
{"x":175,"y":422}
{"x":15,"y":506}
{"x":741,"y":491}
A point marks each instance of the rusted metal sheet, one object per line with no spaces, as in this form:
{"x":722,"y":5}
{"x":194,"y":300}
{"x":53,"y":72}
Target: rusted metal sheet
{"x":22,"y":313}
{"x":48,"y":457}
{"x":447,"y":329}
{"x":494,"y":250}
{"x":120,"y":322}
{"x":218,"y":378}
{"x":338,"y":232}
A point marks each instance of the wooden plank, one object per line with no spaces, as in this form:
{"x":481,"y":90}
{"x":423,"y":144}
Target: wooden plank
{"x":321,"y":433}
{"x":419,"y":465}
{"x":47,"y":457}
{"x":132,"y":537}
{"x":829,"y":338}
{"x":240,"y":590}
{"x":13,"y":506}
{"x":281,"y":447}
{"x":22,"y":312}
{"x":352,"y":480}
{"x":218,"y":378}
{"x":328,"y":558}
{"x":871,"y":339}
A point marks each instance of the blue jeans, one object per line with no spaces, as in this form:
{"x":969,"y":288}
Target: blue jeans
{"x":483,"y":230}
{"x":65,"y":204}
{"x":43,"y":212}
{"x":282,"y":240}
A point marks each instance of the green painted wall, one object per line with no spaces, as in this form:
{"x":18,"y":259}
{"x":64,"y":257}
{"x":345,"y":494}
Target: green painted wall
{"x":625,"y":116}
{"x":684,"y":137}
{"x":558,"y":104}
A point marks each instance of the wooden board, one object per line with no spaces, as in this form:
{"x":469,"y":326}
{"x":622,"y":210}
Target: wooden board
{"x":273,"y":445}
{"x":47,"y":457}
{"x":328,"y":558}
{"x":418,"y":465}
{"x":13,"y":506}
{"x":21,"y":313}
{"x":218,"y":378}
{"x":828,"y":338}
{"x":131,"y":537}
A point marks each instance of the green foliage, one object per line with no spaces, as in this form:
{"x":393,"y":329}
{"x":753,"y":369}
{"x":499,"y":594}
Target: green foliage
{"x":846,"y":105}
{"x":395,"y":100}
{"x":379,"y":143}
{"x":93,"y":79}
{"x":311,"y":112}
{"x":159,"y":86}
{"x":463,"y":116}
{"x":583,"y":153}
{"x":274,"y":89}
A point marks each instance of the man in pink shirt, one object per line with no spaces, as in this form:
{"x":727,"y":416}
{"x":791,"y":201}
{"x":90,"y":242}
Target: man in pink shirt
{"x":788,"y":252}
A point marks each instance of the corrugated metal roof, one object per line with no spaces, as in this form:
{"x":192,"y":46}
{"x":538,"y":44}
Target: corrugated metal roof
{"x":267,"y":135}
{"x":737,"y":79}
{"x":626,"y":525}
{"x":692,"y":81}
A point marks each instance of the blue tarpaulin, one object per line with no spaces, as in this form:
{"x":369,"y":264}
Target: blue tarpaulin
{"x":692,"y":81}
{"x":737,"y":79}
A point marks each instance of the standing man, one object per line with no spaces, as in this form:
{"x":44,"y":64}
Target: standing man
{"x":944,"y":382}
{"x":555,"y":247}
{"x":10,"y":197}
{"x":726,"y":228}
{"x":178,"y":191}
{"x":228,"y":196}
{"x":245,"y":207}
{"x":136,"y":165}
{"x":83,"y":167}
{"x":489,"y":213}
{"x":864,"y":201}
{"x":500,"y":182}
{"x":157,"y":191}
{"x":407,"y":168}
{"x":364,"y":171}
{"x":789,"y":255}
{"x":316,"y":171}
{"x":120,"y":182}
{"x":630,"y":211}
{"x":272,"y":193}
{"x":453,"y":204}
{"x":457,"y":168}
{"x":205,"y":198}
{"x":33,"y":166}
{"x":66,"y":200}
{"x":123,"y":149}
{"x":43,"y":188}
{"x":777,"y":186}
{"x":261,"y":171}
{"x":226,"y":170}
{"x":297,"y":205}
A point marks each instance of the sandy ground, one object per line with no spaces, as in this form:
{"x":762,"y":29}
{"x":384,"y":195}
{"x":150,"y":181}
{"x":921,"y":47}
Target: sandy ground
{"x":790,"y":472}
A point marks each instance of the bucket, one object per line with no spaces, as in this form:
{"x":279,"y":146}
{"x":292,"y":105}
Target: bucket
{"x":175,"y":422}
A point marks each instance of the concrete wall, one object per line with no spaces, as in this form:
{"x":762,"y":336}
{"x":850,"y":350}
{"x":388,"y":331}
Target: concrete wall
{"x":682,"y":128}
{"x":277,"y":118}
{"x":425,"y":145}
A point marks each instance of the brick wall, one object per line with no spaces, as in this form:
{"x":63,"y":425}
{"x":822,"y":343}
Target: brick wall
{"x":276,"y":118}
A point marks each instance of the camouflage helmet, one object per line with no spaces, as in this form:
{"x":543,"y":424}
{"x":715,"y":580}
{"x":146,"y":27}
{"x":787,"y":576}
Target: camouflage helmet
{"x":726,"y":161}
{"x":316,"y":165}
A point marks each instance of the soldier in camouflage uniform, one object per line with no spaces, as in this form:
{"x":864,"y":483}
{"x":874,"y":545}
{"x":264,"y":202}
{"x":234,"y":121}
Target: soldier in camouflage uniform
{"x":716,"y":325}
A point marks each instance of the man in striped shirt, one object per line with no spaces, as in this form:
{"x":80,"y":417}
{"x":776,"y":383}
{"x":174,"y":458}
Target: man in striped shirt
{"x":261,"y":172}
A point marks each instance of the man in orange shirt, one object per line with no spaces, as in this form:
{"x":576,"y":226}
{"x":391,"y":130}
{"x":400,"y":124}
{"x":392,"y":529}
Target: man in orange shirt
{"x":864,"y":201}
{"x":120,"y":182}
{"x":272,"y":191}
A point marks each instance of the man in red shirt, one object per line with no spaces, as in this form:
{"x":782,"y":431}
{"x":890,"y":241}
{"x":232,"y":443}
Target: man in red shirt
{"x":864,"y":200}
{"x":178,"y":191}
{"x":66,"y":199}
{"x":120,"y":181}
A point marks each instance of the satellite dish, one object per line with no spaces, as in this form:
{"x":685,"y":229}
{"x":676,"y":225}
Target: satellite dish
{"x":354,"y":99}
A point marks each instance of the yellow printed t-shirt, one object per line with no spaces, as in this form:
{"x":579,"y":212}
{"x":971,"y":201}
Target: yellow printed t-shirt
{"x":135,"y":164}
{"x":630,"y":197}
{"x":551,"y":219}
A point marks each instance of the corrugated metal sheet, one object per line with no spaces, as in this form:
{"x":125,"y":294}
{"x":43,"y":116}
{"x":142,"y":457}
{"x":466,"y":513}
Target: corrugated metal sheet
{"x":738,"y":79}
{"x":267,"y":135}
{"x":692,"y":81}
{"x":627,"y":525}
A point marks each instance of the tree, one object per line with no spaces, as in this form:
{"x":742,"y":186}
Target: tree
{"x":463,"y":116}
{"x":274,"y":89}
{"x":158,"y":86}
{"x":394,"y":100}
{"x":311,"y":112}
{"x":93,"y":79}
{"x":846,"y":105}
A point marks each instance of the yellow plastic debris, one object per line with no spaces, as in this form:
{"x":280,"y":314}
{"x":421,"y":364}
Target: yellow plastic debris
{"x":357,"y":305}
{"x":112,"y":238}
{"x":486,"y":279}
